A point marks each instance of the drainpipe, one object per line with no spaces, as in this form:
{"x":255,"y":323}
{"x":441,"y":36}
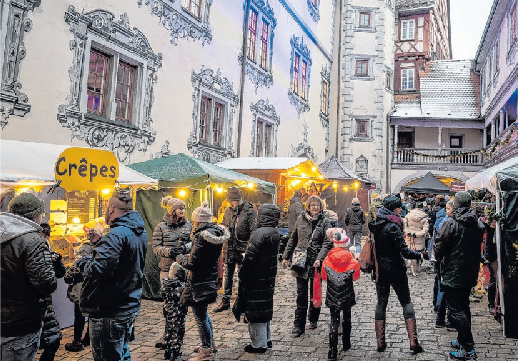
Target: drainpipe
{"x":338,"y":122}
{"x":242,"y":82}
{"x":388,"y":153}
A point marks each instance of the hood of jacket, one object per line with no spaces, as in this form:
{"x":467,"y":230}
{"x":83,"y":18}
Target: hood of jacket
{"x":295,"y":200}
{"x":268,"y":216}
{"x":383,"y":217}
{"x":339,"y":258}
{"x":131,"y":220}
{"x":439,"y":217}
{"x":356,"y":207}
{"x":13,"y":225}
{"x":466,"y":216}
{"x":417,"y":215}
{"x":213,"y":233}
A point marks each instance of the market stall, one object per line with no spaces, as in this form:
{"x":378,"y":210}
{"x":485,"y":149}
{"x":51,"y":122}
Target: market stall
{"x":502,"y":181}
{"x":287,"y":173}
{"x":75,"y":184}
{"x":194,"y":181}
{"x":427,"y":185}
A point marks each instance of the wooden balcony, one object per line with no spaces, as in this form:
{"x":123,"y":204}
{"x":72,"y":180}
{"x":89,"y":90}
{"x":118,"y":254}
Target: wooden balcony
{"x":438,"y":159}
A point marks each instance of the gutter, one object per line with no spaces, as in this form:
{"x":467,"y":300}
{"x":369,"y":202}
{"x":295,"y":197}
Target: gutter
{"x":388,"y":153}
{"x":486,"y":29}
{"x":338,"y":122}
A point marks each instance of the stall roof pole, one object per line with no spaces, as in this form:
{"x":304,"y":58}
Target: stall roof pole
{"x":499,"y":255}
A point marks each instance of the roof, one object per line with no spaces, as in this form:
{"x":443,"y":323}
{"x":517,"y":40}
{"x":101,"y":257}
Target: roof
{"x":333,"y":169}
{"x":448,"y":89}
{"x":262,"y":163}
{"x":180,"y":170}
{"x":413,"y":4}
{"x":503,"y":176}
{"x":34,"y":162}
{"x":492,"y":29}
{"x":427,"y":184}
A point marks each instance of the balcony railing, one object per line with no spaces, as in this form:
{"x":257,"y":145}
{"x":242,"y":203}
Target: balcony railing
{"x":438,"y":156}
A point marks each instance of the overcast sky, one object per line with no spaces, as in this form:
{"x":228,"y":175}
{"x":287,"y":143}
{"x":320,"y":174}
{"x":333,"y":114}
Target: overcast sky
{"x":468,"y":20}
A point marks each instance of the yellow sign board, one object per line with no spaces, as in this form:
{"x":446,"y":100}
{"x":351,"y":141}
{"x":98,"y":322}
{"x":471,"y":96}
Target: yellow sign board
{"x":86,"y":169}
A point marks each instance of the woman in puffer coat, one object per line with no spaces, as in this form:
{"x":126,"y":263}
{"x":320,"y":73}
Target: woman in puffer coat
{"x":201,"y":284}
{"x":309,"y":233}
{"x":390,"y":244}
{"x":169,"y":239}
{"x":257,"y":279}
{"x":415,"y":226}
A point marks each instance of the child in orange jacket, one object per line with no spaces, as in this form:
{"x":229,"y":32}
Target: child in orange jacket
{"x":339,"y":270}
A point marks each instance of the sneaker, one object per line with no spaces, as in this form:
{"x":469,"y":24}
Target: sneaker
{"x":450,"y":327}
{"x":312,"y":326}
{"x":491,"y":310}
{"x":455,"y":345}
{"x":463,"y":355}
{"x":269,"y":344}
{"x":75,"y":346}
{"x":252,"y":349}
{"x":224,"y":305}
{"x":296,"y":333}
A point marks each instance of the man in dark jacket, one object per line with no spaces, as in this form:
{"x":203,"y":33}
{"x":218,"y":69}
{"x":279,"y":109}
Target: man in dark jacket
{"x":391,"y":249}
{"x":27,"y":277}
{"x":295,"y":209}
{"x":240,"y":220}
{"x":113,"y":279}
{"x":355,"y":219}
{"x":457,"y":247}
{"x":257,"y":279}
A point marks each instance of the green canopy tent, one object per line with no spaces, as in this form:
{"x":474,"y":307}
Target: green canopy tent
{"x":197,"y":179}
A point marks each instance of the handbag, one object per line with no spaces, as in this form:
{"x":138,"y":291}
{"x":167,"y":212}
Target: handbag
{"x":367,"y":257}
{"x":317,"y":290}
{"x":300,"y":255}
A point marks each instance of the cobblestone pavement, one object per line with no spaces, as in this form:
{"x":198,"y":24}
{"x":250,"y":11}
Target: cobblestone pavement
{"x":231,"y":336}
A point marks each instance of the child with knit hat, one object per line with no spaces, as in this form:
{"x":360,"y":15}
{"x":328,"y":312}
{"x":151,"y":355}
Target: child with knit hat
{"x":339,"y":270}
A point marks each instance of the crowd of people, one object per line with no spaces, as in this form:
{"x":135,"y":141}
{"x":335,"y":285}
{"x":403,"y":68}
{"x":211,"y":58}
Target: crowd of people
{"x":105,"y":281}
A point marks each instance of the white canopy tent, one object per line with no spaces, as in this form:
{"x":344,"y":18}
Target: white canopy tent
{"x":498,"y":179}
{"x":33,"y":163}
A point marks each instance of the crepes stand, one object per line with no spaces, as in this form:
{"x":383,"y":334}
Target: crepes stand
{"x":502,"y":181}
{"x":75,"y":184}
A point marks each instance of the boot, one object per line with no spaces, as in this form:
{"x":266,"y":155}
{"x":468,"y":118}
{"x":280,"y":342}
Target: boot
{"x":205,"y":354}
{"x":379,"y":326}
{"x":160,"y":343}
{"x":346,"y":334}
{"x":223,"y":305}
{"x":411,"y":329}
{"x":333,"y":347}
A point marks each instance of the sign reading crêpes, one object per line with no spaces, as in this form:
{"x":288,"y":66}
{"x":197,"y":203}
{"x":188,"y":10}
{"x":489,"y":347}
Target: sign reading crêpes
{"x":86,"y":169}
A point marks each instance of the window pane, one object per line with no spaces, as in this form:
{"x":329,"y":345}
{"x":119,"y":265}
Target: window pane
{"x":296,"y":74}
{"x":362,"y":67}
{"x":361,"y":127}
{"x":217,"y":124}
{"x":97,"y":83}
{"x":365,"y":19}
{"x":204,"y":117}
{"x":124,"y":91}
{"x":324,"y":97}
{"x":264,"y":45}
{"x":252,"y":33}
{"x":259,"y":139}
{"x":304,"y":70}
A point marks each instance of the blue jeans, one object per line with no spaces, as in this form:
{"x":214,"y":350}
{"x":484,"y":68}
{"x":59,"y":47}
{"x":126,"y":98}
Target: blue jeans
{"x":109,"y":337}
{"x":22,"y":348}
{"x":260,"y":334}
{"x":356,"y":239}
{"x":204,"y":323}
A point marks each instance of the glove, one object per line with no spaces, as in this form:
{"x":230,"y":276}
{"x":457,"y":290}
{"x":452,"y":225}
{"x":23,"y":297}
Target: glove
{"x":187,"y":247}
{"x":181,"y":258}
{"x":176,"y":250}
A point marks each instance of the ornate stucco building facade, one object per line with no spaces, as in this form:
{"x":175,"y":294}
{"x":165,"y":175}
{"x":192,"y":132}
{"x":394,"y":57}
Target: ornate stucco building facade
{"x":209,"y":78}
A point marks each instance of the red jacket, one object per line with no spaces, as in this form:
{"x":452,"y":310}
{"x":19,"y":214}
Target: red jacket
{"x":341,"y":260}
{"x":340,"y":290}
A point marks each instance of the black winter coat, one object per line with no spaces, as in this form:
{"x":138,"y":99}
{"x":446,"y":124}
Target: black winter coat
{"x":170,"y":239}
{"x":391,"y":248}
{"x":241,"y":224}
{"x":309,"y":232}
{"x":27,"y":275}
{"x":202,"y":264}
{"x":259,"y":268}
{"x":457,"y":247}
{"x":355,"y":218}
{"x":295,"y":209}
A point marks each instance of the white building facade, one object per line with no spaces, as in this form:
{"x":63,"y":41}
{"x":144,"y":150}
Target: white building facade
{"x":210,"y":78}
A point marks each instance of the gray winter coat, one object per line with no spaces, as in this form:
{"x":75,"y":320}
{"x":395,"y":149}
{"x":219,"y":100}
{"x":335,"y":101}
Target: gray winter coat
{"x":241,"y":224}
{"x":27,"y":275}
{"x":295,"y":209}
{"x":169,"y":241}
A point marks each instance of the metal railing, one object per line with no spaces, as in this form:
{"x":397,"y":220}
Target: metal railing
{"x":437,"y":156}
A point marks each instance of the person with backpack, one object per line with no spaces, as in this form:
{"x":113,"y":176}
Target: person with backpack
{"x":355,"y":219}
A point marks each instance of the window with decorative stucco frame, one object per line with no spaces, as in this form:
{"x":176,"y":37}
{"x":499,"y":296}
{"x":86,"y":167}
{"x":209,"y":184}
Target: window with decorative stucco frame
{"x":112,"y":78}
{"x":364,"y":19}
{"x":214,"y":107}
{"x":265,"y":123}
{"x":313,"y":8}
{"x":300,"y":72}
{"x":362,"y":128}
{"x":260,"y":35}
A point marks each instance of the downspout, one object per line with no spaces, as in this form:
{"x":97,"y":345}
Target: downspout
{"x":388,"y":152}
{"x":242,"y":80}
{"x":338,"y":122}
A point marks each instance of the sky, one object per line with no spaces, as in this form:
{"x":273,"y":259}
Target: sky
{"x":468,"y":20}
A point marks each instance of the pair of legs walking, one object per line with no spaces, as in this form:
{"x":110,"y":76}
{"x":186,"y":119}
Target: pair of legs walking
{"x":333,"y":332}
{"x":403,"y":295}
{"x":303,"y":284}
{"x":205,"y":330}
{"x":229,"y":271}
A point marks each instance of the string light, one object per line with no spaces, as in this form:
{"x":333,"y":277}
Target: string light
{"x":335,"y":185}
{"x":182,"y":193}
{"x":303,"y":175}
{"x":76,"y":220}
{"x":106,"y":191}
{"x":314,"y":169}
{"x":356,"y":184}
{"x":346,"y":189}
{"x":250,"y":185}
{"x":219,"y":190}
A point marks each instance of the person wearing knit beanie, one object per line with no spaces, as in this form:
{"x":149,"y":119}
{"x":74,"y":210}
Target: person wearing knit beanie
{"x":462,"y":200}
{"x":392,"y":202}
{"x":27,"y":205}
{"x":202,"y":214}
{"x":233,"y":194}
{"x":172,"y":204}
